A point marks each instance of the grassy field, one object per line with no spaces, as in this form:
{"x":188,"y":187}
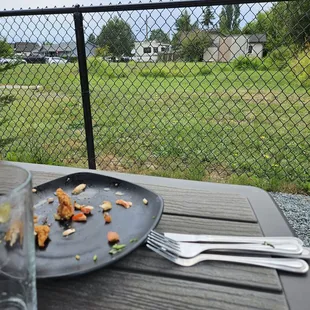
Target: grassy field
{"x":194,"y":121}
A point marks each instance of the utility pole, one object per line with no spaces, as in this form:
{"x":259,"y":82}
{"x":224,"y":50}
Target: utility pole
{"x":146,"y":28}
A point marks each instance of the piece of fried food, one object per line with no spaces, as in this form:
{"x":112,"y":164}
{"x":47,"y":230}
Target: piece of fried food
{"x":65,"y":209}
{"x":16,"y":229}
{"x":125,"y":204}
{"x":42,"y":233}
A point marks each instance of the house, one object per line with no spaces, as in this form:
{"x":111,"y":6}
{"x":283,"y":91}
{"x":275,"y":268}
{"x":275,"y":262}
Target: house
{"x":256,"y":44}
{"x":66,"y":49}
{"x":227,"y":48}
{"x":149,"y":50}
{"x":24,"y":49}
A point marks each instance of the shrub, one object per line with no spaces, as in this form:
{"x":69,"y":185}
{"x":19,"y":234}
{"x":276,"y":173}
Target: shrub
{"x":102,"y":68}
{"x":248,"y":63}
{"x":280,"y":57}
{"x":204,"y":71}
{"x":5,"y":49}
{"x":301,"y":67}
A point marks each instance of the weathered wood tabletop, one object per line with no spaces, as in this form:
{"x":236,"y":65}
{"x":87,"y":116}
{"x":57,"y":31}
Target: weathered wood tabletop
{"x":145,"y":280}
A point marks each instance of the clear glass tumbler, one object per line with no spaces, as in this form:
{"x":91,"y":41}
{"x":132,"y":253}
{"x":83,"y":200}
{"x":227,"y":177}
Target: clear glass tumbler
{"x":17,"y":249}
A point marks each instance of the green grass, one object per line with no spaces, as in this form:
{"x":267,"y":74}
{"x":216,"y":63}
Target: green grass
{"x":184,"y":120}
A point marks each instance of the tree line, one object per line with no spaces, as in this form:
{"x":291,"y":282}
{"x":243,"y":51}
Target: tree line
{"x":189,"y":40}
{"x":285,"y":23}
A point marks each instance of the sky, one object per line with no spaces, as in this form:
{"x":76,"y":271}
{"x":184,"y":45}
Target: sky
{"x":56,"y":29}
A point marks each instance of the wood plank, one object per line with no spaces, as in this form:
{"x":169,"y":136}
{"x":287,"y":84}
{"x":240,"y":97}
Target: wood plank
{"x":146,"y":261}
{"x":211,"y":205}
{"x":233,"y":274}
{"x":191,"y":225}
{"x":182,"y":201}
{"x":110,"y":289}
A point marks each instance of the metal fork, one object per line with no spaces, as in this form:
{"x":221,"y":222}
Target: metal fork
{"x":189,"y":250}
{"x":286,"y":264}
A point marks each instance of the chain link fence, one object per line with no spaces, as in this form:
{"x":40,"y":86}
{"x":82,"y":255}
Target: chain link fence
{"x":179,"y":89}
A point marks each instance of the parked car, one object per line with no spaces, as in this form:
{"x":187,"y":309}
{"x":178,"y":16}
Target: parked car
{"x":116,"y":59}
{"x":125,"y":59}
{"x":4,"y":61}
{"x":56,"y":60}
{"x":111,"y":59}
{"x":35,"y":59}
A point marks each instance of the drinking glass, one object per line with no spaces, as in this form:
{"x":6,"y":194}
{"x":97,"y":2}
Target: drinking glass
{"x":17,"y":250}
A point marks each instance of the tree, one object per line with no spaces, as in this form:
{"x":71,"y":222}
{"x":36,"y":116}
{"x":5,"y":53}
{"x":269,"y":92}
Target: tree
{"x":207,"y":17}
{"x":102,"y":51}
{"x":193,"y":44}
{"x":183,"y":26}
{"x":92,"y":38}
{"x":230,"y":19}
{"x":117,"y":36}
{"x":183,"y":23}
{"x":299,"y":21}
{"x":5,"y":99}
{"x":285,"y":24}
{"x":160,"y":36}
{"x":6,"y":49}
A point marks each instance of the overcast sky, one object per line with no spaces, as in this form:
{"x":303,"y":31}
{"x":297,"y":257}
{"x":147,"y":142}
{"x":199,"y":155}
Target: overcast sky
{"x":60,"y":28}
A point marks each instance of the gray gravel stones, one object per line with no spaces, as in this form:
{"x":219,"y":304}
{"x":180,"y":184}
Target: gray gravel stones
{"x":296,"y":208}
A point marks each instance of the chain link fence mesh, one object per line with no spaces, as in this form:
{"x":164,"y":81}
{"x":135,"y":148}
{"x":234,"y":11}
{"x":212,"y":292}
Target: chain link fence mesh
{"x":219,"y":93}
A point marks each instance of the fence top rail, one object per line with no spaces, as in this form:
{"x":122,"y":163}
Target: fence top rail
{"x":125,"y":7}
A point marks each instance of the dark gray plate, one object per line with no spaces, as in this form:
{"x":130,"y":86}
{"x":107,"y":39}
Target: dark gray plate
{"x":58,"y":258}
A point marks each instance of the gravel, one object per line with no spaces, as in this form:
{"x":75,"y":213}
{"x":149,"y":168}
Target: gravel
{"x":296,"y":208}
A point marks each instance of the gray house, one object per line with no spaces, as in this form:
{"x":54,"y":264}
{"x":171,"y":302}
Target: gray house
{"x":24,"y":48}
{"x":66,"y":49}
{"x":227,"y":48}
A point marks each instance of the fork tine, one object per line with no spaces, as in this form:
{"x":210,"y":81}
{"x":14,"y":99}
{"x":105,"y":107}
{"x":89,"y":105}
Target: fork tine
{"x":160,"y":236}
{"x":162,"y":241}
{"x":164,"y":247}
{"x":168,"y":256}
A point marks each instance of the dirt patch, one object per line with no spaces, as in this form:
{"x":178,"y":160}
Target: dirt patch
{"x":111,"y":163}
{"x":218,"y":174}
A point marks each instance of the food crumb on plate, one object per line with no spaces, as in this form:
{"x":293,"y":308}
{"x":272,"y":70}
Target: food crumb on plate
{"x":50,"y":200}
{"x":95,"y":258}
{"x":77,"y":257}
{"x":107,"y":217}
{"x":123,"y":203}
{"x":68,"y":232}
{"x":133,"y":240}
{"x":34,"y":190}
{"x":119,"y":193}
{"x":113,"y":237}
{"x":79,"y":189}
{"x":80,"y":217}
{"x":106,"y":205}
{"x":145,"y":201}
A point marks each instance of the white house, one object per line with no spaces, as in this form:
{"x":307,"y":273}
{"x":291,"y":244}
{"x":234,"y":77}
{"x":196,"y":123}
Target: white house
{"x":148,"y":51}
{"x":227,"y":48}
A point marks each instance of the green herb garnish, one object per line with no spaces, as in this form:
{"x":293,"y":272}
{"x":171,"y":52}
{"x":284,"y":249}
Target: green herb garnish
{"x":95,"y":258}
{"x":118,"y":246}
{"x":153,"y":216}
{"x":133,"y":240}
{"x":113,"y":251}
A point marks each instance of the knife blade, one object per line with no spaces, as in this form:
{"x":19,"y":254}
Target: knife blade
{"x":231,"y":239}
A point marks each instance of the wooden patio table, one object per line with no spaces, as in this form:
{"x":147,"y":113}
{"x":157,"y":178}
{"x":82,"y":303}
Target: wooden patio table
{"x":144,"y":280}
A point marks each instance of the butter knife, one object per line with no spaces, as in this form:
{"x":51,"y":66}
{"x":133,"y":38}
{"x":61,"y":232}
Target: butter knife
{"x":231,"y":239}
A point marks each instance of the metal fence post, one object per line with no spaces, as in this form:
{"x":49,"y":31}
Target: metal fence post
{"x":80,"y":43}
